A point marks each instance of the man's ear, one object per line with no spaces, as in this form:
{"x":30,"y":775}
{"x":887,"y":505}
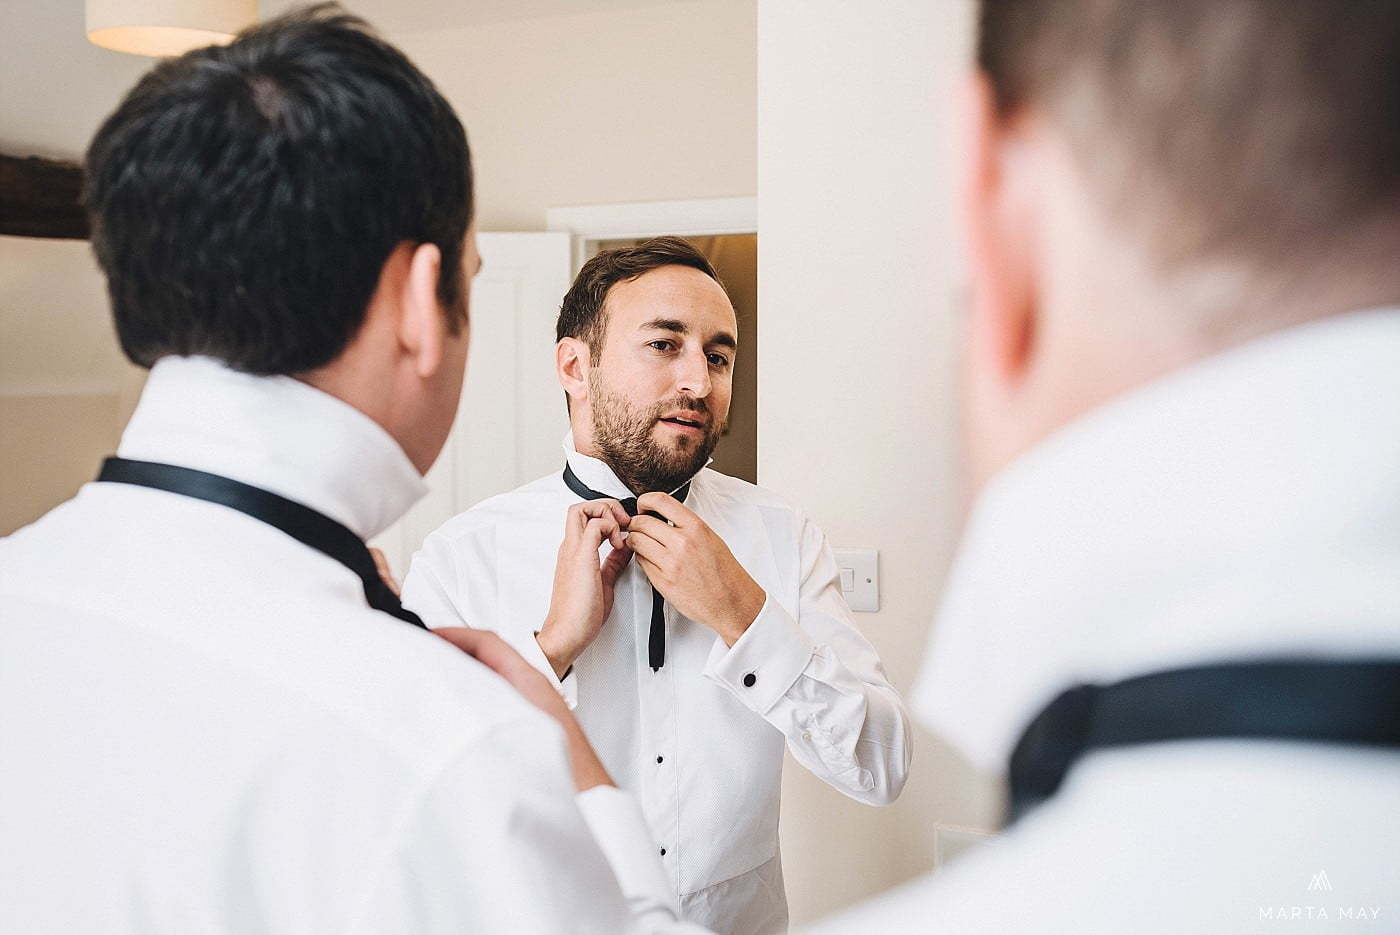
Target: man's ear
{"x":422,"y":319}
{"x":572,"y":360}
{"x":998,"y":219}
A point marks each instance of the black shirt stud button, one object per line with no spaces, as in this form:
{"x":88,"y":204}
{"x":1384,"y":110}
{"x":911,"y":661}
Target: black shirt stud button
{"x":749,"y":680}
{"x":660,"y":758}
{"x":663,"y":852}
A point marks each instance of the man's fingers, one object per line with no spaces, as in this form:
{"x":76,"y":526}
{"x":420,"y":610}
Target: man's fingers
{"x":603,"y":529}
{"x":650,"y":569}
{"x":655,"y":528}
{"x":484,"y":646}
{"x":614,"y":564}
{"x":491,"y":651}
{"x":645,"y":546}
{"x":381,"y":565}
{"x":499,"y":656}
{"x":668,"y":506}
{"x":581,"y":513}
{"x":607,"y":507}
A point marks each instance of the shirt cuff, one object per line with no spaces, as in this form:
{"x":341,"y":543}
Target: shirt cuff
{"x":566,"y":687}
{"x":622,"y":834}
{"x":762,"y":665}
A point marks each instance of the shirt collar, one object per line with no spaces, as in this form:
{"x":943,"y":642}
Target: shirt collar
{"x":596,"y":473}
{"x":1245,"y":506}
{"x":276,"y":433}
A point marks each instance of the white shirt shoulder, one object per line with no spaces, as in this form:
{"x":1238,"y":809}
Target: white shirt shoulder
{"x":740,"y":491}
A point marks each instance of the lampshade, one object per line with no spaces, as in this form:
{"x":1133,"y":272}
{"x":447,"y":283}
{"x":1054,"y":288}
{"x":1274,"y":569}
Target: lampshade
{"x":166,"y":27}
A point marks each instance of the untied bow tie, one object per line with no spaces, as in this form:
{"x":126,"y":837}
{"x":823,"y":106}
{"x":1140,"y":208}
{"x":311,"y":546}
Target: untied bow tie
{"x":656,"y":639}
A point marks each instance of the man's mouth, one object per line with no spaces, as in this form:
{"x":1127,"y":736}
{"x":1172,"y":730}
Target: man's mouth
{"x":689,"y":421}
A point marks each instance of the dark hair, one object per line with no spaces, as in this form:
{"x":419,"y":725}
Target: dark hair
{"x":582,"y":313}
{"x":244,"y":198}
{"x":1252,"y":125}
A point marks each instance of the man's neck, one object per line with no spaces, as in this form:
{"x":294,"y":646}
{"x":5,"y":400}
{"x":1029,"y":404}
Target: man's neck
{"x":583,"y":438}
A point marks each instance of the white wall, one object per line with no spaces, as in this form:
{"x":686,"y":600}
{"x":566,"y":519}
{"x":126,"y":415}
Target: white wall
{"x":858,"y":286}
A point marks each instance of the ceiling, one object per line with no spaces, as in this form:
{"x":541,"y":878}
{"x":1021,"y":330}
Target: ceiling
{"x":56,"y":87}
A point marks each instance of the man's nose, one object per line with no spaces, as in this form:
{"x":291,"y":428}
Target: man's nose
{"x":694,"y":376}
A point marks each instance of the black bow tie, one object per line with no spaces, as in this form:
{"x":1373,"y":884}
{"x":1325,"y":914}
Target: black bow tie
{"x":302,"y":523}
{"x":656,"y":639}
{"x":1351,"y":702}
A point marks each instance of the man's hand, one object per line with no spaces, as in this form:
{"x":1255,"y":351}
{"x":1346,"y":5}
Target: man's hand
{"x":381,"y":565}
{"x":692,"y":567}
{"x":498,"y":656}
{"x":583,"y":587}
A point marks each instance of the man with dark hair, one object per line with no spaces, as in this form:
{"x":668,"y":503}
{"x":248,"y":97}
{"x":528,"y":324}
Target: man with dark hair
{"x":713,"y":633}
{"x":213,"y":715}
{"x":1172,"y":624}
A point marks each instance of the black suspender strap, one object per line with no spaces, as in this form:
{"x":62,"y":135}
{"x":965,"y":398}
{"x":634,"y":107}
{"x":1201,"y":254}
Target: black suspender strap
{"x":310,"y":528}
{"x":1339,"y":702}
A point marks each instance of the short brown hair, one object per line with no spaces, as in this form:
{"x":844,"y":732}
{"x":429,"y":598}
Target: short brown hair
{"x":1223,"y":128}
{"x":581,"y":314}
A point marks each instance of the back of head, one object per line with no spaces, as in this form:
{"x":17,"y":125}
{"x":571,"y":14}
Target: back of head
{"x":244,"y":198}
{"x":1261,"y":136}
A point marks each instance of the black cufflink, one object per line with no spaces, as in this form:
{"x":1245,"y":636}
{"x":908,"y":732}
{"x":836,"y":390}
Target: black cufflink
{"x":749,"y":680}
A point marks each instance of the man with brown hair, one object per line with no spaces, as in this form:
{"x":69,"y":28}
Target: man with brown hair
{"x":1174,"y":622}
{"x":713,"y":633}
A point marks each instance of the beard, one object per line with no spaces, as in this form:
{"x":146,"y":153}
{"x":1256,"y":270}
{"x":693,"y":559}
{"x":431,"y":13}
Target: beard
{"x":626,"y":439}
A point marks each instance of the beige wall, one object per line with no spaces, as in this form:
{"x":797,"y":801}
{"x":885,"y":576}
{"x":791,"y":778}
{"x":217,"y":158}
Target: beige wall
{"x":65,"y":389}
{"x":653,"y":103}
{"x":858,"y":288}
{"x":49,"y":447}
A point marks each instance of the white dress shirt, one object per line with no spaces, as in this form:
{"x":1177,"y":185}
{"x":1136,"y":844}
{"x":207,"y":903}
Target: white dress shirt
{"x":1245,"y":507}
{"x":700,"y":741}
{"x":204,"y":728}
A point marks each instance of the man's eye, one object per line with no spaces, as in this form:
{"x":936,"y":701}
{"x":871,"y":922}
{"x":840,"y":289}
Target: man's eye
{"x":719,"y":360}
{"x":660,"y":345}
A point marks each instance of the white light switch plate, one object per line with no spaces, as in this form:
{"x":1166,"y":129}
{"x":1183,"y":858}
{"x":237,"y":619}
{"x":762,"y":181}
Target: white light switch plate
{"x":864,"y":578}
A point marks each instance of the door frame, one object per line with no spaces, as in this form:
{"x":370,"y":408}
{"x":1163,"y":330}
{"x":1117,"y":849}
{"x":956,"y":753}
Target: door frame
{"x":698,"y":217}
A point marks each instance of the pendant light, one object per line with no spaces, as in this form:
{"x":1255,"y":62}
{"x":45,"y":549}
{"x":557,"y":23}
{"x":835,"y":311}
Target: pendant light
{"x":166,"y":27}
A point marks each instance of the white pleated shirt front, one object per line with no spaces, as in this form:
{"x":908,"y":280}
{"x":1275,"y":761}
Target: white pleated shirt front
{"x":700,"y":742}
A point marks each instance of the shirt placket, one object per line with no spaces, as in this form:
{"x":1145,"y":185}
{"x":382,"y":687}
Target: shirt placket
{"x":659,"y":734}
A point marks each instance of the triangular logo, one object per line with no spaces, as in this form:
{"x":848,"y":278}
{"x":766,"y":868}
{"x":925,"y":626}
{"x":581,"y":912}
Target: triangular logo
{"x":1319,"y":881}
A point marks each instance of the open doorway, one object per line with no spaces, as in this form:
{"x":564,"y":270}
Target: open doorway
{"x":735,"y":258}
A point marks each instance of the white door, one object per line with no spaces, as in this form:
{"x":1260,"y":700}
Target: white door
{"x":512,"y":416}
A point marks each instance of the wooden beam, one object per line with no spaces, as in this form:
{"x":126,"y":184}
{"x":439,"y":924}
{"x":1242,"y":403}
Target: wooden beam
{"x":41,"y":198}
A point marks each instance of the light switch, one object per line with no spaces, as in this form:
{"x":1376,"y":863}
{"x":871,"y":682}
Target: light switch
{"x":860,"y":578}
